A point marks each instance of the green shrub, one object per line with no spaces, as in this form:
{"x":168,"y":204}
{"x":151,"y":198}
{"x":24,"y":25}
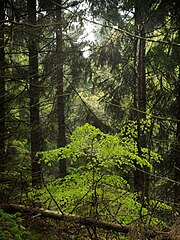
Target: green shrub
{"x":11,"y":227}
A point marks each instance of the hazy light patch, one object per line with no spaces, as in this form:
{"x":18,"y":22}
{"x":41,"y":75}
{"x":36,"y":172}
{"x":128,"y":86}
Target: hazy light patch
{"x":86,"y":51}
{"x":88,"y":36}
{"x":88,"y":33}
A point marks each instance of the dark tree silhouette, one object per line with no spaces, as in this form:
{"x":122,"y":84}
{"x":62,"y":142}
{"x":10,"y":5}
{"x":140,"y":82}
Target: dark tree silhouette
{"x":61,"y":141}
{"x":2,"y":89}
{"x":34,"y":95}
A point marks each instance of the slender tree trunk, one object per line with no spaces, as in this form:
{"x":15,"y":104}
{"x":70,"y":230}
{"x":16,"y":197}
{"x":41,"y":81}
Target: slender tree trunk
{"x":177,"y":148}
{"x":61,"y":141}
{"x":34,"y":96}
{"x":141,"y":181}
{"x":2,"y":91}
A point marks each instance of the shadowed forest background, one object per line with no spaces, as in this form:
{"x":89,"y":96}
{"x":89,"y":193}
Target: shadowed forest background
{"x":89,"y":119}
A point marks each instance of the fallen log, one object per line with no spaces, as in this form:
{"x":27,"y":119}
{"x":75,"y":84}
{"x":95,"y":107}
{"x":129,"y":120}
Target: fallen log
{"x":85,"y":221}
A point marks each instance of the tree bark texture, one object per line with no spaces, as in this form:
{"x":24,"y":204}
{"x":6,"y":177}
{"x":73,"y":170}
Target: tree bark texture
{"x":2,"y":90}
{"x":141,"y":180}
{"x":177,"y":148}
{"x":34,"y":96}
{"x":61,"y":141}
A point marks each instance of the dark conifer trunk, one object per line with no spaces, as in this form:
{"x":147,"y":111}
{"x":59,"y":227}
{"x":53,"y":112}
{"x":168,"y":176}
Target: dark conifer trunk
{"x":61,"y":141}
{"x":2,"y":90}
{"x":34,"y":96}
{"x":177,"y":148}
{"x":141,"y":180}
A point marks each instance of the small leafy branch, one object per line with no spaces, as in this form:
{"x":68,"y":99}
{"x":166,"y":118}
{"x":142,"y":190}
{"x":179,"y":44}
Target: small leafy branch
{"x":11,"y":227}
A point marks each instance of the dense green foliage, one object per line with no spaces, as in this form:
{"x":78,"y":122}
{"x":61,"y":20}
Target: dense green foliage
{"x":100,"y":178}
{"x":11,"y":227}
